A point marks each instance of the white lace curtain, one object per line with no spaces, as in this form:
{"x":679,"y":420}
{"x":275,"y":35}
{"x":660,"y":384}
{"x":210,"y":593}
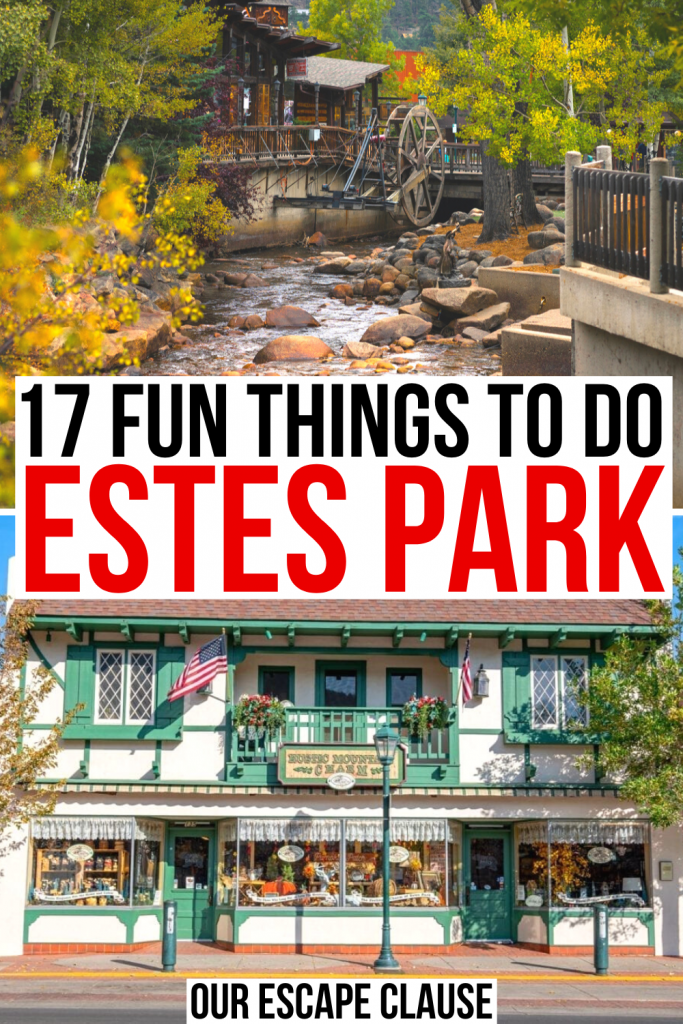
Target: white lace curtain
{"x":602,"y":833}
{"x":77,"y":830}
{"x":406,"y":830}
{"x":291,"y":830}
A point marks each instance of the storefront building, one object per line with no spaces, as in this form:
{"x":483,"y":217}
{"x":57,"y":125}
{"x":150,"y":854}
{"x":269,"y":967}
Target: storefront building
{"x":495,"y":831}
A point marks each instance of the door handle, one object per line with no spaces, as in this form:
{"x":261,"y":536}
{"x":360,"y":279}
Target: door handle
{"x":210,"y":899}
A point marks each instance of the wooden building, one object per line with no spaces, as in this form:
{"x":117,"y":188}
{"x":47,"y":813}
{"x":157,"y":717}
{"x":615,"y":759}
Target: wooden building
{"x":330,"y":91}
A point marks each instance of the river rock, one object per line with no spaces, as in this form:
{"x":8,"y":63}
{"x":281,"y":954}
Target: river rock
{"x":474,"y":334}
{"x":543,"y":212}
{"x":290,"y":316}
{"x":383,"y":332}
{"x":487,"y":319}
{"x":335,"y":266}
{"x":236,"y":280}
{"x":405,"y":343}
{"x":552,"y":256}
{"x":236,"y":321}
{"x":359,"y":350}
{"x":460,"y":301}
{"x":402,"y":282}
{"x":252,"y":281}
{"x":269,"y":266}
{"x":415,"y":310}
{"x":211,"y":279}
{"x":427,"y":278}
{"x":358,"y":287}
{"x":151,"y":331}
{"x":405,"y":266}
{"x":253,"y":322}
{"x":556,"y":222}
{"x":488,"y":262}
{"x":501,"y":261}
{"x":479,"y":255}
{"x":340,"y":291}
{"x":372,"y":287}
{"x":293,"y":347}
{"x":409,"y":296}
{"x":390,"y":273}
{"x":356,"y":267}
{"x":386,"y":288}
{"x":542,"y":239}
{"x":329,"y":255}
{"x":318,"y":240}
{"x":492,"y":340}
{"x":467,"y":268}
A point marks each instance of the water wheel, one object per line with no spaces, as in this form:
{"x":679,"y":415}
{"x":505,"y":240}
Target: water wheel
{"x":416,"y":161}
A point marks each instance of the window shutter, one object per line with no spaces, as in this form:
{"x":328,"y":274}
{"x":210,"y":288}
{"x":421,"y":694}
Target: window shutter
{"x":79,"y":683}
{"x":170,"y":663}
{"x":517,"y":696}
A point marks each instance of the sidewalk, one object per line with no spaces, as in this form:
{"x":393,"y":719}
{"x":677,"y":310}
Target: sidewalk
{"x":529,"y":983}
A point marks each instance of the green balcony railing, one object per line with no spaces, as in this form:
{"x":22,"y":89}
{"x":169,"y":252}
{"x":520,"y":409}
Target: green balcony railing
{"x":336,"y":725}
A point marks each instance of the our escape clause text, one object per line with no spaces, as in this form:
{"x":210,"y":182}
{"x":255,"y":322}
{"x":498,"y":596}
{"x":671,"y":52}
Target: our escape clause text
{"x":446,"y":487}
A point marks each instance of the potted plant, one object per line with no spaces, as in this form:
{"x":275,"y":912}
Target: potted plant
{"x":260,"y":713}
{"x":422,"y":714}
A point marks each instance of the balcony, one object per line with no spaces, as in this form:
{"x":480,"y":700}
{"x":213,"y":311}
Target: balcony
{"x":252,"y":757}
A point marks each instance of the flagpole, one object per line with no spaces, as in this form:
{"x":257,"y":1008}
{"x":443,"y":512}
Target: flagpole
{"x":227,"y":669}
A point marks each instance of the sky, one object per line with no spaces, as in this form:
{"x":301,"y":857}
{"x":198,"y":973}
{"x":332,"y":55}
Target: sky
{"x":678,"y":538}
{"x":6,"y":548}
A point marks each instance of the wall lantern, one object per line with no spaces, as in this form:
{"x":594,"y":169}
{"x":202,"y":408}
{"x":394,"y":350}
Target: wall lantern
{"x":481,"y":683}
{"x":422,"y":100}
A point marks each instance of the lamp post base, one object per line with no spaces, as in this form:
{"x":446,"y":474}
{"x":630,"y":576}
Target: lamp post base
{"x":386,"y":964}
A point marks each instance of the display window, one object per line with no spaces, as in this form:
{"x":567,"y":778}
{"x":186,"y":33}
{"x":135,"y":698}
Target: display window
{"x":288,"y":862}
{"x":564,"y":863}
{"x":417,"y":863}
{"x":89,"y":862}
{"x":226,"y":890}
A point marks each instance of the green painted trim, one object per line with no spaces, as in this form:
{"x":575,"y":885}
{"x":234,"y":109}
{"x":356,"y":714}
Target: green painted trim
{"x":398,"y":671}
{"x":46,"y":664}
{"x":367,"y":627}
{"x":211,"y":831}
{"x":128,"y":916}
{"x":85,"y":762}
{"x":481,"y":732}
{"x":277,"y":668}
{"x":245,"y":784}
{"x":340,"y":665}
{"x":469,"y":913}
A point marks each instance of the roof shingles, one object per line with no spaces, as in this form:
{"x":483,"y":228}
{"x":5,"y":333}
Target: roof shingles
{"x":565,"y":613}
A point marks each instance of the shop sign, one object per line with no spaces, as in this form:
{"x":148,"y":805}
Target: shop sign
{"x":290,"y":854}
{"x":313,"y":765}
{"x":341,"y":780}
{"x":80,"y":853}
{"x":535,"y":900}
{"x":398,"y":854}
{"x":297,"y":67}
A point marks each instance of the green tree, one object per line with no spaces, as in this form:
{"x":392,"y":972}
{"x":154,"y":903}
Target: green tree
{"x":23,"y":761}
{"x":357,"y":26}
{"x":636,"y":703}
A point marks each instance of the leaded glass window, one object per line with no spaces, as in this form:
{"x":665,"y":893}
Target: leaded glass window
{"x":544,"y":692}
{"x":575,"y":682}
{"x":125,"y":687}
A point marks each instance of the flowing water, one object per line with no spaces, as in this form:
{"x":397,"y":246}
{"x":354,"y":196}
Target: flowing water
{"x":215,"y":348}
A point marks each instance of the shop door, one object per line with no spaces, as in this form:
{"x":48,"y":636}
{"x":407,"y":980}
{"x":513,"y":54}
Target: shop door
{"x":488,"y":885}
{"x":189,"y":880}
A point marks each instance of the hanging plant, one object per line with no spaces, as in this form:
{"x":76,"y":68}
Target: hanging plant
{"x":259,"y":712}
{"x":422,"y":714}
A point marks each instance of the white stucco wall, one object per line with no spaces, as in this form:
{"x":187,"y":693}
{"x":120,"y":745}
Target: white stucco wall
{"x":13,"y":888}
{"x":147,"y":929}
{"x":328,"y":930}
{"x":532,"y":928}
{"x":78,"y":928}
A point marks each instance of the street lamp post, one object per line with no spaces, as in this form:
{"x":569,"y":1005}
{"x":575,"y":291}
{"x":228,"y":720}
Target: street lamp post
{"x":386,"y":742}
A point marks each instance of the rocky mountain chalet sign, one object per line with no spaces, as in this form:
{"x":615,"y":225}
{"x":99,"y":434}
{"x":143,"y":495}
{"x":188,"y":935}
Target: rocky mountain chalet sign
{"x":299,"y":764}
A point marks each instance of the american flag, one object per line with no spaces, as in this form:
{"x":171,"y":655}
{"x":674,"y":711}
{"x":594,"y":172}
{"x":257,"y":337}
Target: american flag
{"x":466,"y":675}
{"x":209,"y":660}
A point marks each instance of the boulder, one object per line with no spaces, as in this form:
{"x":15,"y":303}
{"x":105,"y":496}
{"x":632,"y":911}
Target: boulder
{"x":415,"y":310}
{"x":488,"y":262}
{"x":236,"y":280}
{"x":551,"y":204}
{"x":542,"y":239}
{"x":556,"y":222}
{"x":252,"y":281}
{"x":467,"y":268}
{"x":386,"y":288}
{"x":371,"y":287}
{"x":358,"y":287}
{"x":211,"y":279}
{"x":405,"y":266}
{"x":290,"y":316}
{"x":492,"y":340}
{"x":293,"y":347}
{"x":391,"y":328}
{"x":390,"y":274}
{"x":318,"y":240}
{"x":434,"y":260}
{"x":253,"y":322}
{"x":402,"y":282}
{"x":501,"y":261}
{"x":340,"y":291}
{"x":236,"y":321}
{"x":329,"y":255}
{"x":410,"y":296}
{"x":543,"y":212}
{"x":405,"y":343}
{"x":480,"y":254}
{"x":400,"y":254}
{"x":460,"y":301}
{"x":151,"y":331}
{"x":427,"y":277}
{"x":335,"y":266}
{"x":429,"y":230}
{"x":552,"y":256}
{"x":487,"y":319}
{"x":474,"y":334}
{"x":359,"y":350}
{"x":357,"y":267}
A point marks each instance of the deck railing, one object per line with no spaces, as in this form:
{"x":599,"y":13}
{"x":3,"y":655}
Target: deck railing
{"x":335,"y":726}
{"x":625,"y":221}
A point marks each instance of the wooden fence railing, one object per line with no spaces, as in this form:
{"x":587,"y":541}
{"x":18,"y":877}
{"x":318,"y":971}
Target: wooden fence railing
{"x":626,"y":221}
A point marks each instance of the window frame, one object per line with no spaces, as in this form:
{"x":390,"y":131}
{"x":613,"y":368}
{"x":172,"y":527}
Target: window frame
{"x":561,"y":723}
{"x":124,"y":718}
{"x":340,"y":665}
{"x":573,"y":723}
{"x":390,"y":672}
{"x":551,"y":726}
{"x":289,"y":669}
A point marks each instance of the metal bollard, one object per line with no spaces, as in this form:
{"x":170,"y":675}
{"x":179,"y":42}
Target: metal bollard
{"x":600,"y":938}
{"x":168,"y":939}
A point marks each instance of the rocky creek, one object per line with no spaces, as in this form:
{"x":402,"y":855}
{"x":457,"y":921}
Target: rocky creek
{"x":288,"y":279}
